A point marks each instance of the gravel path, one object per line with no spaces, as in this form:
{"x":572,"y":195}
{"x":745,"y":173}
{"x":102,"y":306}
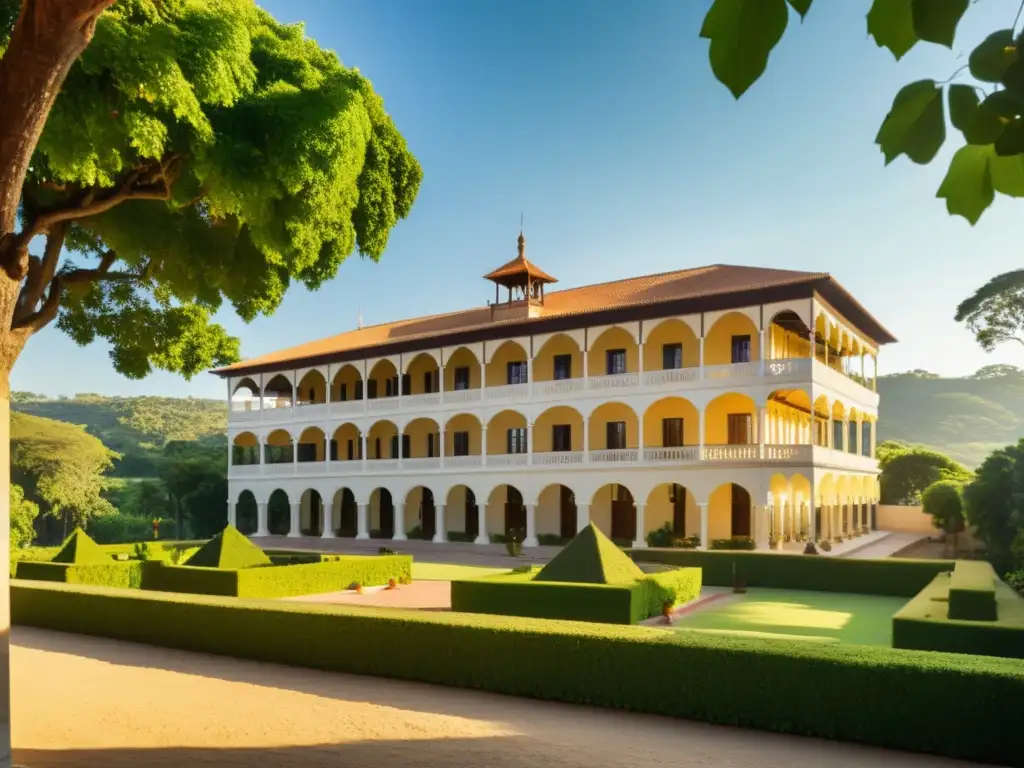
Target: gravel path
{"x":81,"y":701}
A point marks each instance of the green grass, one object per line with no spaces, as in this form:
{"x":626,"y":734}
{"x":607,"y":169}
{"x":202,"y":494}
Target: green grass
{"x":800,"y":615}
{"x":446,"y":572}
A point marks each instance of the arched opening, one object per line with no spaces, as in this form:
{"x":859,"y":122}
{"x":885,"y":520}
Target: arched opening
{"x":729,"y":420}
{"x":346,"y":443}
{"x":421,"y":439}
{"x":557,"y":430}
{"x":461,"y":371}
{"x":312,"y":445}
{"x":345,"y":518}
{"x":671,"y":422}
{"x":382,"y":380}
{"x":556,"y":514}
{"x":422,"y":375}
{"x":788,"y":337}
{"x":278,"y":393}
{"x":838,"y":426}
{"x":508,"y":365}
{"x":613,"y":427}
{"x":790,"y":414}
{"x":347,"y":385}
{"x":506,"y":511}
{"x":462,"y":514}
{"x":558,"y":359}
{"x":279,"y":448}
{"x":382,"y":514}
{"x":506,"y":434}
{"x":279,"y":513}
{"x":311,"y":513}
{"x":382,"y":441}
{"x":245,"y":449}
{"x":614,"y":352}
{"x":732,"y":340}
{"x":247,"y":513}
{"x":671,"y":345}
{"x":312,"y":389}
{"x":729,"y":513}
{"x":462,"y":435}
{"x":613,"y":510}
{"x":421,"y":500}
{"x":245,"y":396}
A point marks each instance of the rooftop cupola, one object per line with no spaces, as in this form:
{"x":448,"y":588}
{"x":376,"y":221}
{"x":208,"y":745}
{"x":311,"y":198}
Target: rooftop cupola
{"x":524,"y":282}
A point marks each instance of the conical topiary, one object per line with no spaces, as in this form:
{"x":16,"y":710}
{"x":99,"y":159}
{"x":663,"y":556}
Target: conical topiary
{"x":591,"y":558}
{"x":79,"y":549}
{"x":229,"y":549}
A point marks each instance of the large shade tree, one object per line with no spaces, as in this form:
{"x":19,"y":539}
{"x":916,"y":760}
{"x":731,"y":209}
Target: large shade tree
{"x":186,"y":154}
{"x":994,"y":504}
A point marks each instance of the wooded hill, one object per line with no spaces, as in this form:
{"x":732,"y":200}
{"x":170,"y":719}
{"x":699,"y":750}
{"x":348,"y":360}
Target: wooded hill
{"x":137,"y":428}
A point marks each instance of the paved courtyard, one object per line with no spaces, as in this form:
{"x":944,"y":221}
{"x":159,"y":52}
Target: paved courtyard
{"x":90,"y":702}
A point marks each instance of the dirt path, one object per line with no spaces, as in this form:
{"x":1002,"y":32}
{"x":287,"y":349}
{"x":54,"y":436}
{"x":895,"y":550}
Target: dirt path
{"x":81,"y":701}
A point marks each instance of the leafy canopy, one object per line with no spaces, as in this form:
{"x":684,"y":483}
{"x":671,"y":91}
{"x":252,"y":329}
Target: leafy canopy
{"x":994,"y":505}
{"x":988,"y":112}
{"x":995,"y":312}
{"x":23,"y":517}
{"x":944,"y":502}
{"x":907,"y":471}
{"x":200,"y":153}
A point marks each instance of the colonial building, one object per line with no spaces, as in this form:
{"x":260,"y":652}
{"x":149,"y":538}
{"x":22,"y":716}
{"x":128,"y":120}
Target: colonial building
{"x":722,"y":401}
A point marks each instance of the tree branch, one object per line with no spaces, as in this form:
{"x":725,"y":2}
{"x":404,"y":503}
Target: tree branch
{"x":37,"y":320}
{"x":41,"y":271}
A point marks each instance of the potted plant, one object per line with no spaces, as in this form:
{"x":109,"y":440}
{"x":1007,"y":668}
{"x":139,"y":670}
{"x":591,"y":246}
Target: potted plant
{"x":514,"y":542}
{"x":666,"y":611}
{"x":776,"y":542}
{"x":825,"y":545}
{"x":810,"y":549}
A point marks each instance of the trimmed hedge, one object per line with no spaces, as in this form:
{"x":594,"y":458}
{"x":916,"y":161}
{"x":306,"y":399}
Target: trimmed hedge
{"x":972,"y":591}
{"x":115,"y":574}
{"x":924,"y":624}
{"x":893,"y":577}
{"x":520,"y":594}
{"x":888,"y":697}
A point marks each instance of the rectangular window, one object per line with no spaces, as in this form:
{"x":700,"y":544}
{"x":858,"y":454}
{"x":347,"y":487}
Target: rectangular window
{"x":460,"y":443}
{"x":430,"y":445}
{"x":615,"y":361}
{"x":851,"y":446}
{"x":334,"y":450}
{"x":359,"y":390}
{"x":406,"y":447}
{"x":344,"y":393}
{"x":428,"y":381}
{"x":865,"y":439}
{"x":517,"y":373}
{"x":671,"y":357}
{"x":307,"y":451}
{"x":561,"y":437}
{"x":371,"y":389}
{"x":740,"y":429}
{"x":515,"y":441}
{"x":615,"y":435}
{"x":563,"y":367}
{"x":406,"y":384}
{"x":672,"y":433}
{"x":389,"y":388}
{"x":837,"y":435}
{"x":394,"y":447}
{"x":351,"y":452}
{"x":461,"y":378}
{"x":741,"y":349}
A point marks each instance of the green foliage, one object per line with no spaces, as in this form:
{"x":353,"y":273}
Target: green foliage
{"x":972,"y":591}
{"x":674,"y":587}
{"x":994,"y":503}
{"x":205,"y":154}
{"x":735,"y":543}
{"x":888,"y":696}
{"x":995,"y":312}
{"x":591,"y":558}
{"x":894,"y":577}
{"x":743,"y":34}
{"x":79,"y":549}
{"x":60,"y":467}
{"x":126,"y":529}
{"x":923,"y":624}
{"x":197,"y":491}
{"x":230,"y":550}
{"x":127,"y":575}
{"x":23,"y":516}
{"x":665,"y":536}
{"x":943,"y":500}
{"x":906,"y":473}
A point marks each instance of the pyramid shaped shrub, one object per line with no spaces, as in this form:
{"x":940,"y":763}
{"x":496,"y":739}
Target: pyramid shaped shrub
{"x":591,"y":558}
{"x":80,"y":549}
{"x":229,"y":549}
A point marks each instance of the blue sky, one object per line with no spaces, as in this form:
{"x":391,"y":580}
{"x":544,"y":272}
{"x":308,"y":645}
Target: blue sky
{"x":602,"y":123}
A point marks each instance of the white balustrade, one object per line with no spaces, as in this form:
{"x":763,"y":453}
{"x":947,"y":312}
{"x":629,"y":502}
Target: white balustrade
{"x":557,"y":458}
{"x":672,"y":454}
{"x":506,"y":460}
{"x":421,"y":401}
{"x":244,"y":415}
{"x":343,"y":407}
{"x":613,"y":381}
{"x":312,"y":468}
{"x":462,"y":396}
{"x":614,"y":456}
{"x":507,"y":392}
{"x":382,"y":465}
{"x":382,"y":404}
{"x":750,"y":452}
{"x":245,"y":470}
{"x":284,"y":413}
{"x":310,"y":411}
{"x":283,"y":468}
{"x":463,"y":462}
{"x":671,"y":376}
{"x":793,"y":366}
{"x":418,"y":465}
{"x":558,"y":387}
{"x":787,"y":452}
{"x":732,"y":371}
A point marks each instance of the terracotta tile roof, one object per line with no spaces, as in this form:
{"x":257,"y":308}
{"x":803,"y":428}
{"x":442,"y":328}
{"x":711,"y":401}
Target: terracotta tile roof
{"x":636,"y":291}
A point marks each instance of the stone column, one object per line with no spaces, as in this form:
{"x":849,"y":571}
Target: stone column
{"x":586,"y":438}
{"x":262,"y":529}
{"x":529,"y":443}
{"x":761,"y":356}
{"x":328,"y":513}
{"x":363,"y":521}
{"x":703,"y":507}
{"x":293,"y":527}
{"x":441,"y":534}
{"x":582,"y":516}
{"x":641,"y":529}
{"x":399,"y":513}
{"x":483,"y":447}
{"x":481,"y":512}
{"x":759,"y":512}
{"x":702,"y":365}
{"x":531,"y":526}
{"x":232,"y":513}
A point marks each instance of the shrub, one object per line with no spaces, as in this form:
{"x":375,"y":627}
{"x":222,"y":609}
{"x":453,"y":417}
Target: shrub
{"x":669,"y":588}
{"x":551,"y":540}
{"x":114,"y":574}
{"x":825,"y":545}
{"x":661,"y":537}
{"x":972,"y":591}
{"x":896,"y":577}
{"x":127,"y":529}
{"x":461,"y":536}
{"x":736,"y":542}
{"x":415,"y":533}
{"x":888,"y":696}
{"x":1016,"y":580}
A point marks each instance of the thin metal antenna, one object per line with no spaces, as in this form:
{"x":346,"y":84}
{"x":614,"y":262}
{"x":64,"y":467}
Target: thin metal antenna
{"x":520,"y":221}
{"x":360,"y":320}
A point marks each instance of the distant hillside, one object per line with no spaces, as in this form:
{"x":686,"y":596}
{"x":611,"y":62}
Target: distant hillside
{"x":135,"y":427}
{"x":966,"y":418}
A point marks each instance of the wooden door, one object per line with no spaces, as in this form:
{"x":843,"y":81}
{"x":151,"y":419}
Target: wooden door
{"x":349,"y":524}
{"x":740,"y":511}
{"x":387,"y":514}
{"x":679,"y":511}
{"x":623,"y":516}
{"x":567,"y":503}
{"x":472,"y":515}
{"x":515,"y":513}
{"x":428,"y":517}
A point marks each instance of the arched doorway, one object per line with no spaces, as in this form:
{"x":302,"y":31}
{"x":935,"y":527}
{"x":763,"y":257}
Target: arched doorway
{"x":348,"y":514}
{"x":385,"y":528}
{"x":623,"y":514}
{"x":515,"y":512}
{"x":677,"y":498}
{"x":472,"y":510}
{"x":246,"y":514}
{"x":279,"y":513}
{"x":428,"y":514}
{"x":311,"y":517}
{"x":740,"y":511}
{"x":566,"y":512}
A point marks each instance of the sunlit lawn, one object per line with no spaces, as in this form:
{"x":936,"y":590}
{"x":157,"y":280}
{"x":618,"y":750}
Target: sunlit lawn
{"x":445,"y":572}
{"x":794,"y":615}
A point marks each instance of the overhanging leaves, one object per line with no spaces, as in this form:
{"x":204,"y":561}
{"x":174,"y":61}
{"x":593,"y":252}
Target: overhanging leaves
{"x":891,"y":23}
{"x":967,"y":187}
{"x":993,"y":56}
{"x":1011,"y":140}
{"x":936,"y":20}
{"x":801,"y":6}
{"x":980,"y":122}
{"x":915,"y":125}
{"x":1007,"y":174}
{"x":742,"y":34}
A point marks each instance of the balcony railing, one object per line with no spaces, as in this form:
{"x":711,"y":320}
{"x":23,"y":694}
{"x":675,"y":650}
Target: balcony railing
{"x":463,"y":395}
{"x":507,"y":392}
{"x":671,"y":376}
{"x":672,"y":455}
{"x":557,"y":458}
{"x":614,"y":456}
{"x":558,"y":387}
{"x":732,"y":452}
{"x":613,"y":381}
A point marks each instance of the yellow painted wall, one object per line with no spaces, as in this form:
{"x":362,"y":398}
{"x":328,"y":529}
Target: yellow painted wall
{"x":610,"y":412}
{"x":417,"y":368}
{"x":544,"y":360}
{"x":716,"y":417}
{"x":246,"y":440}
{"x":497,"y":369}
{"x":455,"y":509}
{"x":549,"y":510}
{"x":464,"y":422}
{"x":417,"y":430}
{"x":601,"y":510}
{"x":720,"y":513}
{"x":278,"y":437}
{"x":383,"y":430}
{"x":381,"y":372}
{"x":612,"y":338}
{"x":342,"y":435}
{"x":313,"y":380}
{"x":316,"y":436}
{"x":659,"y":510}
{"x":495,"y":509}
{"x":497,"y":430}
{"x":671,"y":408}
{"x":462,"y":358}
{"x":348,"y":376}
{"x":543,"y":428}
{"x":718,"y":339}
{"x":785,"y":344}
{"x":670,"y":332}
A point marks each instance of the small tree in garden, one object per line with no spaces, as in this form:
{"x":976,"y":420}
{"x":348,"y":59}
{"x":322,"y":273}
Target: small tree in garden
{"x":943,"y":500}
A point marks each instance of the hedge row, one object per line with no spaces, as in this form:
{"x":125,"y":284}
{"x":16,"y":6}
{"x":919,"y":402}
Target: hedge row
{"x":117,"y":574}
{"x":972,"y":591}
{"x":924,"y":624}
{"x":517,"y":594}
{"x":863,"y":694}
{"x":894,"y":577}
